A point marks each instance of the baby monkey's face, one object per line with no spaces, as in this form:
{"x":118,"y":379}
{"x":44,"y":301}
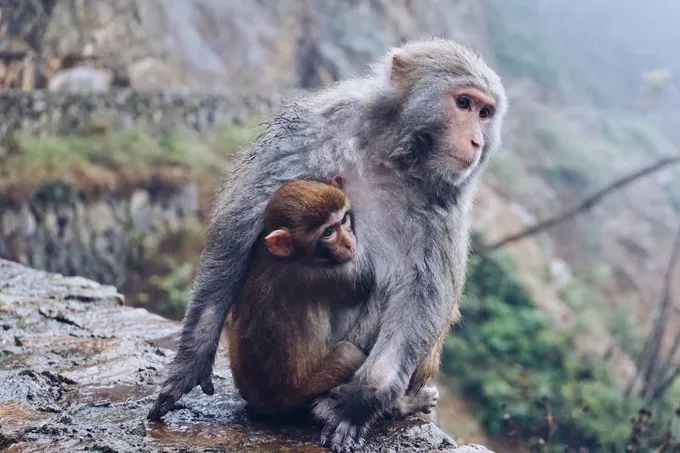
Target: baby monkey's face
{"x":312,"y":223}
{"x":336,"y":242}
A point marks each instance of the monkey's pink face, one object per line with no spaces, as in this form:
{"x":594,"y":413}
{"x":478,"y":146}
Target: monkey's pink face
{"x":337,"y":242}
{"x":470,"y":112}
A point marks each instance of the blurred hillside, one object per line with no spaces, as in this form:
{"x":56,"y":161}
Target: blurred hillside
{"x":593,"y":94}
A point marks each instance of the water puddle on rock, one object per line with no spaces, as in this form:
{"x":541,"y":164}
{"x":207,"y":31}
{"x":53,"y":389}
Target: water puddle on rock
{"x":94,"y":395}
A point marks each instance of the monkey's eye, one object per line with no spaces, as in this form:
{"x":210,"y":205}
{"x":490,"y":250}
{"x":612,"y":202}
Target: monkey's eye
{"x":346,"y":221}
{"x":486,"y":112}
{"x":328,"y":232}
{"x":464,"y":102}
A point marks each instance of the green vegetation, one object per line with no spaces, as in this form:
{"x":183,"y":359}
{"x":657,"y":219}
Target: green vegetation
{"x":163,"y":274}
{"x":112,"y":160}
{"x":525,"y":380}
{"x":101,"y":162}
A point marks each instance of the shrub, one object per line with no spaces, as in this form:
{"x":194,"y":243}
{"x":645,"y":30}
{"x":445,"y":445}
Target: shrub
{"x":524,"y":378}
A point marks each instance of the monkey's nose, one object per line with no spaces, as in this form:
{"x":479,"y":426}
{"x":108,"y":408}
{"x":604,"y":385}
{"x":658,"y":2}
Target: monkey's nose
{"x":349,"y":251}
{"x":475,"y":143}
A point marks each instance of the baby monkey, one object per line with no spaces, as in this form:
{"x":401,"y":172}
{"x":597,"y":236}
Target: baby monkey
{"x":301,"y":266}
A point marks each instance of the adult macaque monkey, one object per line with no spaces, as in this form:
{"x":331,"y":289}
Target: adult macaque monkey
{"x":409,"y":140}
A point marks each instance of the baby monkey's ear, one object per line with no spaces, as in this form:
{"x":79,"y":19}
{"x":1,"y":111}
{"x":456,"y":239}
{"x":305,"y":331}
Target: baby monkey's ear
{"x":279,"y":243}
{"x":337,"y":182}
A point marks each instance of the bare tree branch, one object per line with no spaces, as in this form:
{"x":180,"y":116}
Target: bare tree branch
{"x":665,"y":385}
{"x":668,"y":370}
{"x":660,"y":324}
{"x":583,"y":206}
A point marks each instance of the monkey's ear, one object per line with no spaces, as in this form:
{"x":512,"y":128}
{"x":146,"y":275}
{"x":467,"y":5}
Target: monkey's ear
{"x":337,"y":182}
{"x":399,"y":70}
{"x":279,"y":243}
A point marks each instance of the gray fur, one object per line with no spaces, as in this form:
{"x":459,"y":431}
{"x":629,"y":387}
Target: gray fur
{"x":412,"y":222}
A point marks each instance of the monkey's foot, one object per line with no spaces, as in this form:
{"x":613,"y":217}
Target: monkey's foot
{"x":344,"y":438}
{"x":347,"y":413}
{"x":424,"y":400}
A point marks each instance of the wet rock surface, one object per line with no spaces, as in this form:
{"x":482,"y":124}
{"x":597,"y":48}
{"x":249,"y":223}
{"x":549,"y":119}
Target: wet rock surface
{"x":78,"y":371}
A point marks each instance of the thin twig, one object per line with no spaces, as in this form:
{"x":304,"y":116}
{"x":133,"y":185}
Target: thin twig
{"x":661,"y":321}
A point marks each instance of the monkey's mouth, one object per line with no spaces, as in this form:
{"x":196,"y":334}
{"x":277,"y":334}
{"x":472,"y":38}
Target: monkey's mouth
{"x":462,"y":163}
{"x":339,"y":260}
{"x":330,"y":263}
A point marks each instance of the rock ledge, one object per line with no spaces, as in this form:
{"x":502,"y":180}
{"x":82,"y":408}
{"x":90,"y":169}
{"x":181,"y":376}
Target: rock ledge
{"x":78,"y":371}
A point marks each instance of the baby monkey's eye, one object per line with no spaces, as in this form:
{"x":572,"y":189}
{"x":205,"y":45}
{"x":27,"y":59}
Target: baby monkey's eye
{"x":346,"y":221}
{"x":328,"y":232}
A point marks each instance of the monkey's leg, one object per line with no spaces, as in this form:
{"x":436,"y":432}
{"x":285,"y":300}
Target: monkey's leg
{"x":338,"y":367}
{"x":419,"y":395}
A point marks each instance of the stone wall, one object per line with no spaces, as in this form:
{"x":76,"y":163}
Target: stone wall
{"x":59,"y":231}
{"x":156,"y":112}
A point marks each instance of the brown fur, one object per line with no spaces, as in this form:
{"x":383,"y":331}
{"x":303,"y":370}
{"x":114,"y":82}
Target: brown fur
{"x":279,"y":329}
{"x":426,"y":372}
{"x":301,"y":205}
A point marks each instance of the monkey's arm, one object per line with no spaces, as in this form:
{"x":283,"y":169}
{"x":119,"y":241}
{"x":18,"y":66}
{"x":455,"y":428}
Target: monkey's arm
{"x":418,"y":293}
{"x":235,"y":226}
{"x":215,"y":287}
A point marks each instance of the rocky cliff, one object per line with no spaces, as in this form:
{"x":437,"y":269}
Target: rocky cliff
{"x":249,"y":45}
{"x":78,"y":370}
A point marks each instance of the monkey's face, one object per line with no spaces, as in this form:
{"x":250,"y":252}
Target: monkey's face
{"x":330,"y":244}
{"x":452,"y":141}
{"x":335,"y":242}
{"x":469,"y":112}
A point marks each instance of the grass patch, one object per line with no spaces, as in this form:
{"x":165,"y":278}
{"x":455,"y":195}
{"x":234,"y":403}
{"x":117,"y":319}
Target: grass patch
{"x":112,"y":161}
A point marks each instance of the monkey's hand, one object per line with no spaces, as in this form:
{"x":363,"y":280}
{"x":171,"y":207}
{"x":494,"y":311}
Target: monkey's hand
{"x":182,"y":380}
{"x":347,"y":413}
